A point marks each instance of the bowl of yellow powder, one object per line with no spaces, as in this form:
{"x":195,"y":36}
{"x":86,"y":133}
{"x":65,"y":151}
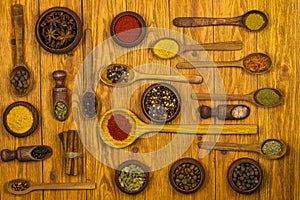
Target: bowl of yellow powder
{"x":255,"y":20}
{"x":20,"y":119}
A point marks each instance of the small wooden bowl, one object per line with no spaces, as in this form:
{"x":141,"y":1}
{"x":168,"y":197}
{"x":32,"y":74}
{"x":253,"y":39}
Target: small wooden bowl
{"x":34,"y":114}
{"x":231,"y":170}
{"x":126,"y":163}
{"x":70,"y":46}
{"x":171,"y":88}
{"x":188,"y":161}
{"x":142,"y":27}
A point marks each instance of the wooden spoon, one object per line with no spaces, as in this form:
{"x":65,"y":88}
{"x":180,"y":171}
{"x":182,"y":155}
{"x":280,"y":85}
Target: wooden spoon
{"x":234,"y":21}
{"x":48,"y":186}
{"x":135,"y":76}
{"x":89,"y":99}
{"x":245,"y":147}
{"x":18,"y":20}
{"x":251,"y":97}
{"x":139,"y":128}
{"x":167,"y":48}
{"x":242,"y":63}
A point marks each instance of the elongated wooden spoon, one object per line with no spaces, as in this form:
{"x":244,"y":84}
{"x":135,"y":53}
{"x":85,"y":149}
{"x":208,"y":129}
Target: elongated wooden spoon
{"x":259,"y":17}
{"x":167,"y":48}
{"x":29,"y":186}
{"x":255,"y":63}
{"x":246,"y":147}
{"x":138,"y":128}
{"x":251,"y":97}
{"x":133,"y":76}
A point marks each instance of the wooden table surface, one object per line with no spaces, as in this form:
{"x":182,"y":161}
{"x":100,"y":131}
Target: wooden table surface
{"x":279,"y":40}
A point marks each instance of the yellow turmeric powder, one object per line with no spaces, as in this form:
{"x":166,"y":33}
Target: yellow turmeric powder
{"x":166,"y":48}
{"x":19,"y":119}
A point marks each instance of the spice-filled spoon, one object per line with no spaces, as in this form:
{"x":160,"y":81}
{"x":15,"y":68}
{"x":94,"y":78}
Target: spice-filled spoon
{"x":269,"y":149}
{"x":265,"y":97}
{"x":23,"y":186}
{"x":167,"y":48}
{"x":255,"y":63}
{"x":89,"y":99}
{"x":129,"y":128}
{"x":123,"y":75}
{"x":20,"y":77}
{"x":253,"y":20}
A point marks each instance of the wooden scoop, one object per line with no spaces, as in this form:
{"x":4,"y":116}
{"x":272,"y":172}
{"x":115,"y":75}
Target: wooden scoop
{"x":234,"y":21}
{"x":17,"y":14}
{"x":135,"y":76}
{"x":48,"y":186}
{"x":251,"y":97}
{"x":245,"y":147}
{"x":139,"y":128}
{"x":242,"y":63}
{"x":167,"y":48}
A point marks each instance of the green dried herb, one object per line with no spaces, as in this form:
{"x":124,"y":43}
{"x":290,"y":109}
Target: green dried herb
{"x":272,"y":148}
{"x":132,"y":178}
{"x":61,"y":110}
{"x":267,"y":97}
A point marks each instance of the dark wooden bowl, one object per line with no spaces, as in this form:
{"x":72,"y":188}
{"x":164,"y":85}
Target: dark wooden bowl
{"x":70,"y":46}
{"x":141,"y":36}
{"x":35,"y":118}
{"x":230,"y":174}
{"x":171,"y":88}
{"x":182,"y":161}
{"x":126,"y":163}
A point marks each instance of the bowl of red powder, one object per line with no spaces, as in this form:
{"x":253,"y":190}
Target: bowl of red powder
{"x":128,"y":29}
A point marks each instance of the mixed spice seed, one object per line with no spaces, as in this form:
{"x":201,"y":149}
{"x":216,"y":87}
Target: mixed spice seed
{"x":117,"y":74}
{"x":58,"y":29}
{"x":89,"y":104}
{"x":20,"y":80}
{"x":19,"y":185}
{"x":161,"y":103}
{"x":132,"y":178}
{"x":40,"y":152}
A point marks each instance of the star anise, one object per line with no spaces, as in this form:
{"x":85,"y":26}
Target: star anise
{"x":65,"y":37}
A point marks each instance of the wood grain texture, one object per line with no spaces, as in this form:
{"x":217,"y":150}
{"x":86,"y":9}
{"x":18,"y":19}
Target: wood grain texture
{"x":279,"y":40}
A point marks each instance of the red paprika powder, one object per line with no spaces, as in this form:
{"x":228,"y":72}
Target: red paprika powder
{"x":119,"y":127}
{"x":128,"y":29}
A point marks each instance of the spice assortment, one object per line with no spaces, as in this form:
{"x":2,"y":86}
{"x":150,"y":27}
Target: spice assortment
{"x":117,"y":74}
{"x":132,"y":177}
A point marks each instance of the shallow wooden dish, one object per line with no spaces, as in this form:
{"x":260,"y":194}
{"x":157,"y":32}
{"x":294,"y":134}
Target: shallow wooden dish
{"x":171,"y":88}
{"x":34,"y":114}
{"x":182,"y":161}
{"x":142,"y":25}
{"x":77,"y":38}
{"x":126,"y":163}
{"x":233,"y":166}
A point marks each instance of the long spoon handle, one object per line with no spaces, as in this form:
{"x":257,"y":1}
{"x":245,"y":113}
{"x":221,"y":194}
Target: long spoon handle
{"x":229,"y":147}
{"x":186,"y":78}
{"x":224,"y":97}
{"x":17,"y":12}
{"x":202,"y":21}
{"x":205,"y":129}
{"x":64,"y":186}
{"x":209,"y":64}
{"x":218,"y":46}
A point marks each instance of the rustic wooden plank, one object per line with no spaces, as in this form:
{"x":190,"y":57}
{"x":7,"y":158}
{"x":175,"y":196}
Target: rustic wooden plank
{"x":281,"y":41}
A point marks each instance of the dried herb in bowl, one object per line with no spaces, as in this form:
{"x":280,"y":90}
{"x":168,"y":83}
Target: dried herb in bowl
{"x":161,"y":102}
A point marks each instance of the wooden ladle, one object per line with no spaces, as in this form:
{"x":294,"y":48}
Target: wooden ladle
{"x":254,"y":59}
{"x":135,"y":76}
{"x":251,"y":97}
{"x":259,"y":16}
{"x":30,"y":186}
{"x":167,"y":48}
{"x":245,"y":147}
{"x":139,"y":128}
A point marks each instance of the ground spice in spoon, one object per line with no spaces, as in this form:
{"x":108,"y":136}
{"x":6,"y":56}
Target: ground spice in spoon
{"x":119,"y":127}
{"x":267,"y":97}
{"x":254,"y":21}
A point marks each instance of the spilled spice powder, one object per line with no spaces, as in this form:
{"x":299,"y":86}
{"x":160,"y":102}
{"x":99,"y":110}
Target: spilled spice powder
{"x":119,"y":127}
{"x":128,"y":29}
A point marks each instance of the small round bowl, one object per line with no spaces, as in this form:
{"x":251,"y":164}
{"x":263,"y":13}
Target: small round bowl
{"x":179,"y":163}
{"x":34,"y":115}
{"x":147,"y":105}
{"x":58,"y":30}
{"x":134,"y":35}
{"x":127,"y":163}
{"x":231,"y":172}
